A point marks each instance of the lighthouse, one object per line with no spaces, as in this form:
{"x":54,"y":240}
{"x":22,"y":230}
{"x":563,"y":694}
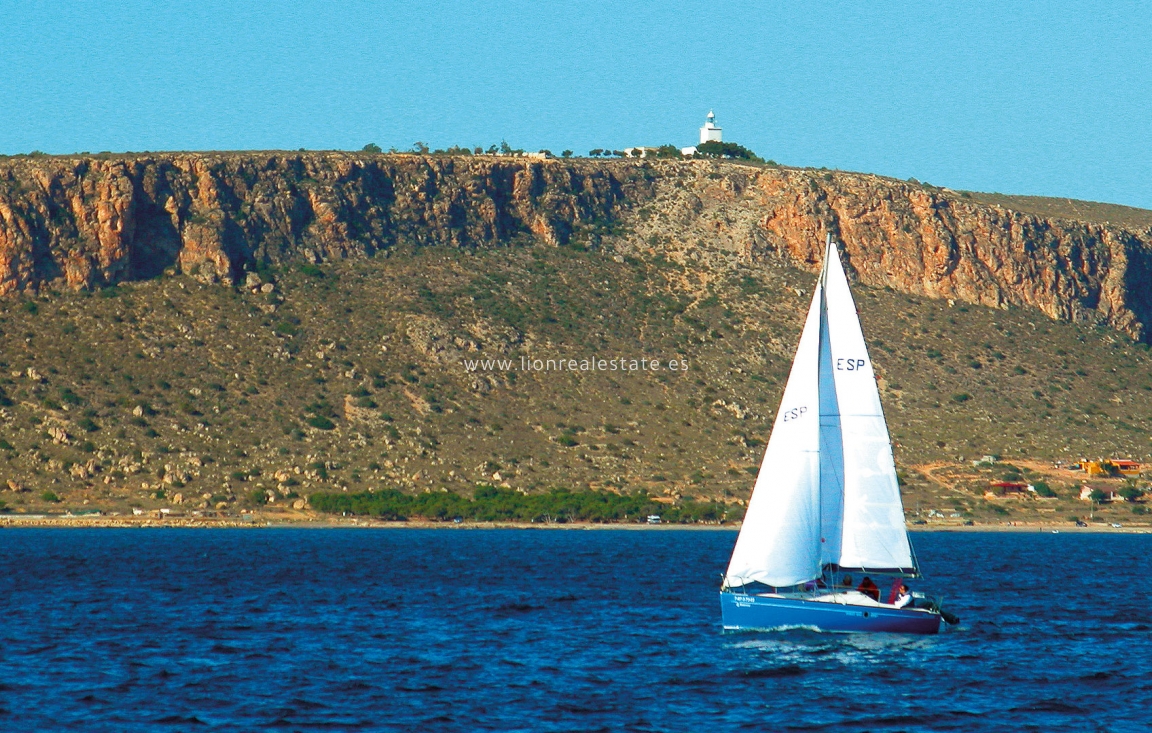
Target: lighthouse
{"x":710,"y":132}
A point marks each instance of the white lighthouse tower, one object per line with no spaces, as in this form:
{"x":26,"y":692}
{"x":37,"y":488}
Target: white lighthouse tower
{"x":710,"y":132}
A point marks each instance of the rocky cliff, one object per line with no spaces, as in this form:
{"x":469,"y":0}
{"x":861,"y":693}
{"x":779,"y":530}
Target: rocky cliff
{"x":89,"y":222}
{"x":913,"y":238}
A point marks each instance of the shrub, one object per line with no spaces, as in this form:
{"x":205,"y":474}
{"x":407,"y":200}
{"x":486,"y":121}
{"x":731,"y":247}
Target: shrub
{"x":716,"y":149}
{"x":50,"y":496}
{"x":321,"y":423}
{"x":961,"y":397}
{"x":490,"y":503}
{"x":1043,"y":489}
{"x":666,"y":151}
{"x":1131,"y":493}
{"x":320,"y":469}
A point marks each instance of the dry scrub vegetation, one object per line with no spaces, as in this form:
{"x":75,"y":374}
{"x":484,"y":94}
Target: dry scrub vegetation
{"x":350,"y":376}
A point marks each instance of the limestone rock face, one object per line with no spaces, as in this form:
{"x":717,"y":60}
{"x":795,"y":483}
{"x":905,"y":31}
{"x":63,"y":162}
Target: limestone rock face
{"x":88,"y":222}
{"x":934,"y":244}
{"x":83,"y":222}
{"x":910,"y":237}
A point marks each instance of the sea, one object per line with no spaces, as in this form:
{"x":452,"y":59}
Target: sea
{"x":547,"y":630}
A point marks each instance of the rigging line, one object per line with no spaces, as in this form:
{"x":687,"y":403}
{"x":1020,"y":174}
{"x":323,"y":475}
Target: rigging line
{"x":819,"y":433}
{"x":823,"y":442}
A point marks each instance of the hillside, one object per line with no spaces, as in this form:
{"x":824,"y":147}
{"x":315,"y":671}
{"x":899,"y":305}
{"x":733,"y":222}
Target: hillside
{"x":337,"y":359}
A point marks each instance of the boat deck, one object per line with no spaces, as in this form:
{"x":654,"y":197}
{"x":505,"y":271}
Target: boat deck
{"x":850,"y":598}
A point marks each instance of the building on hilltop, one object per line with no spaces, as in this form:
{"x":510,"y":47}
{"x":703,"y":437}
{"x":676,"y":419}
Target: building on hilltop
{"x":710,"y":132}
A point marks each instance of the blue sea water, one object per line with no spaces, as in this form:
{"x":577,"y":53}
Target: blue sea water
{"x":531,"y":630}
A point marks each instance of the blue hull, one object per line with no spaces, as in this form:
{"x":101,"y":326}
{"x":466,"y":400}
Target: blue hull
{"x":748,"y":612}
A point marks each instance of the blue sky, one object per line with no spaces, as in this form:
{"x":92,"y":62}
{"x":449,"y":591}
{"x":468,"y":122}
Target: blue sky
{"x":1036,"y":98}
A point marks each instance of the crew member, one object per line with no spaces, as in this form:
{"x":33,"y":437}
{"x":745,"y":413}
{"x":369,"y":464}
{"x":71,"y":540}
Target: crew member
{"x":868,"y":588}
{"x":904,"y":599}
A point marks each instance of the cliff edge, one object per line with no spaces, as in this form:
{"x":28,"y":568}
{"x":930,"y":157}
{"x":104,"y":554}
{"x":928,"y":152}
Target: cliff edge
{"x":88,"y":222}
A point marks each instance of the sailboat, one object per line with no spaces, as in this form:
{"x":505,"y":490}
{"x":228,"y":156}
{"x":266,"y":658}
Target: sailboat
{"x":826,"y":503}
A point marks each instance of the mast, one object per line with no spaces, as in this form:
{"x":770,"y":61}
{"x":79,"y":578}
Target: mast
{"x":831,"y":491}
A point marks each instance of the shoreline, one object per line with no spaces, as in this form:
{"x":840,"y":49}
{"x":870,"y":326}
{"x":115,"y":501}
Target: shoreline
{"x":16,"y":521}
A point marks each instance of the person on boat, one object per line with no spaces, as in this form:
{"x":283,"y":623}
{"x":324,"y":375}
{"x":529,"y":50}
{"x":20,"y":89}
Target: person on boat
{"x":847,"y":583}
{"x":895,"y":592}
{"x":904,"y":600}
{"x":868,"y":588}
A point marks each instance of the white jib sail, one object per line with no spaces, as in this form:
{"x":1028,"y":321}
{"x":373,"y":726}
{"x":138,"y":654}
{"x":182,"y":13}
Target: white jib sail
{"x":779,"y":542}
{"x":873,"y":535}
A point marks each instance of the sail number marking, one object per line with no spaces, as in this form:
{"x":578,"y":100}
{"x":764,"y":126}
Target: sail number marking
{"x":794,"y":413}
{"x":850,"y":365}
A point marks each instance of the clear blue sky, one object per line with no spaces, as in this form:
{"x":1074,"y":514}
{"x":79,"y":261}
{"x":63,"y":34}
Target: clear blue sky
{"x":1044,"y":98}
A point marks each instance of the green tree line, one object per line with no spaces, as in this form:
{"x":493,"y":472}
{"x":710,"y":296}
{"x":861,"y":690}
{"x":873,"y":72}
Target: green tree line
{"x":492,"y":504}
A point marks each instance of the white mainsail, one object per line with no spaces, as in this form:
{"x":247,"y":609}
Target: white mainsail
{"x":826,"y":493}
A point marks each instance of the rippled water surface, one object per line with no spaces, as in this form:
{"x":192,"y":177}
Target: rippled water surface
{"x":461,"y":630}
